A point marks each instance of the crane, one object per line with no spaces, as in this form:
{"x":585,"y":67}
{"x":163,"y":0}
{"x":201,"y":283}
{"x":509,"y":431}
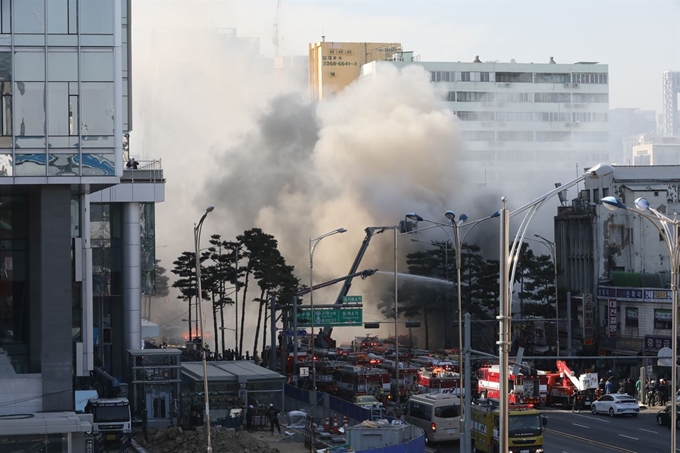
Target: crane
{"x":275,"y":37}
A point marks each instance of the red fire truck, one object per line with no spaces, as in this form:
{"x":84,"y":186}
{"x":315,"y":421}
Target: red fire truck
{"x":522,"y":388}
{"x":561,"y":386}
{"x":353,"y":380}
{"x":438,"y":380}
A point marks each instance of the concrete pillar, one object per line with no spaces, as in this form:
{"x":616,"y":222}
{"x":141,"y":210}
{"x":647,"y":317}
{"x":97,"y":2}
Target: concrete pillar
{"x":131,"y":277}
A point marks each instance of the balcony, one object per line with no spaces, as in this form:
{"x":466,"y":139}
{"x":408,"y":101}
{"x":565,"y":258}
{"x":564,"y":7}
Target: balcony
{"x":148,"y":171}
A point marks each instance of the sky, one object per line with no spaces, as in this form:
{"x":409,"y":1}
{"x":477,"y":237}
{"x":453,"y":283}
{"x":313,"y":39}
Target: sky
{"x":230,"y":135}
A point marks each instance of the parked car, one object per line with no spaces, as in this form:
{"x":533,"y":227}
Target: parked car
{"x":616,"y":404}
{"x":663,"y":417}
{"x":366,"y":401}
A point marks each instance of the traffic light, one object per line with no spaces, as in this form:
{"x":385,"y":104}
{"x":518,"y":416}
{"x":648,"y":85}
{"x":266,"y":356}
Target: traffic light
{"x":412,"y":323}
{"x":371,"y":325}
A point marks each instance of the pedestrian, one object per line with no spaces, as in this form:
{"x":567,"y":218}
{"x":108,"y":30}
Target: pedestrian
{"x":609,"y":386}
{"x":250,"y":414}
{"x":132,"y":164}
{"x":273,"y":416}
{"x":575,"y":402}
{"x":638,"y":389}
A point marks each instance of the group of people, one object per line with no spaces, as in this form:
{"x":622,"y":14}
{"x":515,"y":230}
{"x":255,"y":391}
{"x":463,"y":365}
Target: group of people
{"x":272,"y":415}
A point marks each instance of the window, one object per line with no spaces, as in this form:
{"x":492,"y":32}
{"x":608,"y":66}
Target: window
{"x":465,"y":76}
{"x":553,"y":136}
{"x":662,"y":319}
{"x":475,"y":116}
{"x":552,"y":97}
{"x":553,"y":116}
{"x":451,"y":96}
{"x":332,"y":74}
{"x":515,"y":136}
{"x":474,"y":96}
{"x":605,"y":192}
{"x":589,"y":97}
{"x":514,"y":116}
{"x":514,"y":77}
{"x":420,"y":411}
{"x":348,"y":52}
{"x":484,"y":77}
{"x":590,"y":117}
{"x":552,"y":78}
{"x":513,"y":97}
{"x":447,"y":411}
{"x":331,"y":51}
{"x":339,"y":51}
{"x":590,"y":77}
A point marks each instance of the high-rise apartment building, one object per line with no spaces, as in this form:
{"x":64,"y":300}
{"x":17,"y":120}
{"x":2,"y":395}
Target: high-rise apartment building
{"x":334,"y":65}
{"x":74,"y":222}
{"x":523,"y":121}
{"x":519,"y":121}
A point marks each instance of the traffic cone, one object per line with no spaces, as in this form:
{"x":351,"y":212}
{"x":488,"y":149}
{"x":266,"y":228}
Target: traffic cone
{"x":335,"y":427}
{"x":327,"y":425}
{"x":345,"y":421}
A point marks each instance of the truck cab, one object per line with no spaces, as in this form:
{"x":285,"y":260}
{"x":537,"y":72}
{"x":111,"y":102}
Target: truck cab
{"x":111,"y":419}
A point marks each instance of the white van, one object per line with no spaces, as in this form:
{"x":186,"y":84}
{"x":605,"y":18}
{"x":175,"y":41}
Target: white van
{"x":438,"y":414}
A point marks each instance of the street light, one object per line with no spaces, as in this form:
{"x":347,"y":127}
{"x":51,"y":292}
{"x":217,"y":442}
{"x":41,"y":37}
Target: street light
{"x":312,"y":246}
{"x":508,"y":267}
{"x":457,"y":242}
{"x":668,"y":229}
{"x":197,"y":248}
{"x":553,"y":251}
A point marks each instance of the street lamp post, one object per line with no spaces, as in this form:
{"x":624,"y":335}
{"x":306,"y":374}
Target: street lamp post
{"x":553,"y":251}
{"x":668,"y":229}
{"x":508,"y":267}
{"x":313,"y":242}
{"x":197,"y":247}
{"x":457,"y":242}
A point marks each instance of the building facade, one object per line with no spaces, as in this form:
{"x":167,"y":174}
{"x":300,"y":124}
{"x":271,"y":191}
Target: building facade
{"x":334,"y":65}
{"x":618,"y":262}
{"x":523,"y":121}
{"x":655,"y":150}
{"x":65,"y":123}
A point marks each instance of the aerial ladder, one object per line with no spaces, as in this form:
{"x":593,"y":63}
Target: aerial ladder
{"x":325,"y":340}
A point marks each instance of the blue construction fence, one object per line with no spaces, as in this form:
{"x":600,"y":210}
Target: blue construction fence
{"x":320,"y":404}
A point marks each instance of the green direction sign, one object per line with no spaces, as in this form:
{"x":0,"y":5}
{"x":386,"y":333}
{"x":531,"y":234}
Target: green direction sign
{"x":351,"y":299}
{"x":332,"y":317}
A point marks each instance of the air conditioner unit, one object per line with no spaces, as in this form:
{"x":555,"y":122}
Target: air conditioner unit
{"x":567,"y":85}
{"x":508,"y":85}
{"x":575,"y":85}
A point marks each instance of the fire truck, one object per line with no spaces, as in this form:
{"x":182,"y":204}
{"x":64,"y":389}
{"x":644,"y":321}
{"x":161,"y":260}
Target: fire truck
{"x":437,"y":380}
{"x":525,"y":427}
{"x":408,"y":378}
{"x":562,"y":385}
{"x":529,"y":388}
{"x":353,"y":380}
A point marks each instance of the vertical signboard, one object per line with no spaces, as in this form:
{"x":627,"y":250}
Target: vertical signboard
{"x":611,"y":330}
{"x":588,"y":318}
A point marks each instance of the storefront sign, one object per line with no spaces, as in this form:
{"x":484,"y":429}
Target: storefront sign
{"x":611,"y":331}
{"x":588,"y":319}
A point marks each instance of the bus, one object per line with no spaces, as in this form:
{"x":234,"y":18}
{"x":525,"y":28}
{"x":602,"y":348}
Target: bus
{"x":438,"y":414}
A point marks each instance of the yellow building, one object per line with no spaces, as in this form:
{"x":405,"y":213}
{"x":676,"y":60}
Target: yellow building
{"x":334,"y":65}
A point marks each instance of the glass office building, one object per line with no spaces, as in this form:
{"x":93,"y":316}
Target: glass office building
{"x":64,"y":129}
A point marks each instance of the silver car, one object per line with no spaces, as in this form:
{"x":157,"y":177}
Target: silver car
{"x":616,"y":404}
